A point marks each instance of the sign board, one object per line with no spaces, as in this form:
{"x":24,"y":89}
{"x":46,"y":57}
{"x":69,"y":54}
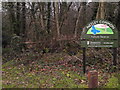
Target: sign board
{"x":99,"y":33}
{"x":110,"y":43}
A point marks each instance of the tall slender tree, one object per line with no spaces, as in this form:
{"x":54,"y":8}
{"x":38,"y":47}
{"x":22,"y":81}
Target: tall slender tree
{"x":80,"y":10}
{"x":57,"y":19}
{"x":18,"y":19}
{"x":101,"y":10}
{"x":23,"y":20}
{"x":48,"y":16}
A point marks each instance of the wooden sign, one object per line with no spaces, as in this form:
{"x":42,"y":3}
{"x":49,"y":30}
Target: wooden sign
{"x":99,"y":33}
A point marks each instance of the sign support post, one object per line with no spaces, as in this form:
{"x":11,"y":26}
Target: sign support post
{"x":114,"y":56}
{"x":84,"y":60}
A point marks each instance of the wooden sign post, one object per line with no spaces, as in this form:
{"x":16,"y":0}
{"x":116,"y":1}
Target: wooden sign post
{"x":99,"y":33}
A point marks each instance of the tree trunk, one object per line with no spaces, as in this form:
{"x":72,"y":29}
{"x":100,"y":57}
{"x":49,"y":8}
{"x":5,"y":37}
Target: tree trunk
{"x":17,"y":31}
{"x":91,"y":8}
{"x":117,"y":19}
{"x":48,"y":17}
{"x":41,"y":7}
{"x":80,"y":10}
{"x":101,"y":11}
{"x":12,"y":16}
{"x":64,"y":12}
{"x":56,"y":18}
{"x":23,"y":20}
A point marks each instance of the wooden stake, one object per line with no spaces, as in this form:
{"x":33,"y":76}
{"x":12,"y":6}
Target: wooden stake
{"x":93,"y":79}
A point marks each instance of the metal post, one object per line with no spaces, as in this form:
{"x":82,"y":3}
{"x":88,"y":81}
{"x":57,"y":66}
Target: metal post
{"x":115,"y":56}
{"x":84,"y":60}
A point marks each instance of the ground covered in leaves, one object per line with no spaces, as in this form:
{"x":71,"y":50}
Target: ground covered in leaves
{"x":57,"y":70}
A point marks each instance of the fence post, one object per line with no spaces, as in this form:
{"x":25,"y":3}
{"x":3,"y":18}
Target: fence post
{"x":93,"y":79}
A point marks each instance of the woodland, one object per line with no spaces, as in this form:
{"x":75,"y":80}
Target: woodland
{"x":41,"y":45}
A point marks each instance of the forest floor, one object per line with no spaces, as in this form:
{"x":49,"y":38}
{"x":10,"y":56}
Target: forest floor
{"x":51,"y":71}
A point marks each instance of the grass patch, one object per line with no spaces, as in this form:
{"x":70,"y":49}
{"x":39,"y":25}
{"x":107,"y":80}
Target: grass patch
{"x":20,"y":77}
{"x":112,"y":83}
{"x":46,"y":75}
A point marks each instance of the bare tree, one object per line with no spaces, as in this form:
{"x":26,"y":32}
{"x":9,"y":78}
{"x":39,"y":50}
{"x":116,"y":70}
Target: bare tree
{"x":48,"y":16}
{"x":101,"y":11}
{"x":23,"y":19}
{"x":41,"y":6}
{"x":57,"y":19}
{"x":80,"y":10}
{"x":18,"y":19}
